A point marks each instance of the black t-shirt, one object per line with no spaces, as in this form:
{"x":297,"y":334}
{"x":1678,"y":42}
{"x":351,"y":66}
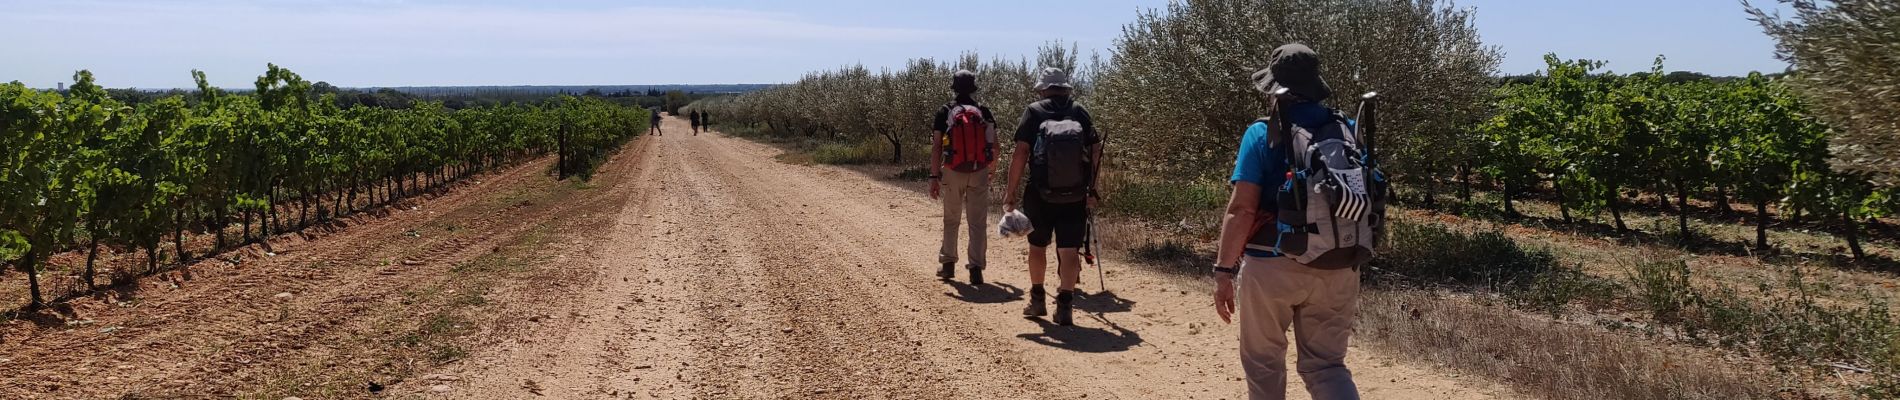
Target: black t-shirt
{"x":942,"y":122}
{"x":1047,"y":109}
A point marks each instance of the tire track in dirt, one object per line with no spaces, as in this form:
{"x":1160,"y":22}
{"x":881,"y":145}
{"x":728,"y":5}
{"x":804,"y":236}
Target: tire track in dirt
{"x":732,"y":275}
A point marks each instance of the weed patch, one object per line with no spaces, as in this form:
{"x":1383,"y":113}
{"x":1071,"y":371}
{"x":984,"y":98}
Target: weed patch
{"x":845,"y":154}
{"x":1196,"y":203}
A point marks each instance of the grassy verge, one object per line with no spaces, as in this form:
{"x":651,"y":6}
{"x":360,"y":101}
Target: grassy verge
{"x":1606,"y":320}
{"x":813,"y":149}
{"x":1793,"y":339}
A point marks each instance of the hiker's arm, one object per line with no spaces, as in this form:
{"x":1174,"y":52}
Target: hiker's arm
{"x":936,"y":154}
{"x":1018,"y":161}
{"x":1243,"y":207}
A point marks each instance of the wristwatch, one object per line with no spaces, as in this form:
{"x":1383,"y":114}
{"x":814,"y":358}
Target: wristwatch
{"x":1226,"y":270}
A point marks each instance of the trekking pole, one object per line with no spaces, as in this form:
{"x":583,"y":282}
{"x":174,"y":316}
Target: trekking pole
{"x":1368,"y":121}
{"x":1088,"y":253}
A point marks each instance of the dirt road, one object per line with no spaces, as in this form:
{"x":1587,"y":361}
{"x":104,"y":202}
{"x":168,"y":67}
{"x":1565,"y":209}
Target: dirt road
{"x":690,"y":267}
{"x":728,"y":274}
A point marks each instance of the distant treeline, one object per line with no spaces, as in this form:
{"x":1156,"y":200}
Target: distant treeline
{"x":667,"y":97}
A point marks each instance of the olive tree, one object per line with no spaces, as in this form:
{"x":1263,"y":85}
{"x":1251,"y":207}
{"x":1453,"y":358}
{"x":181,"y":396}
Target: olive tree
{"x":1842,"y":53}
{"x":1178,"y":81}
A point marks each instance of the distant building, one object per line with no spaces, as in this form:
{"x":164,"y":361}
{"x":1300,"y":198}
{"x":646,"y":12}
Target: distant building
{"x":62,"y":86}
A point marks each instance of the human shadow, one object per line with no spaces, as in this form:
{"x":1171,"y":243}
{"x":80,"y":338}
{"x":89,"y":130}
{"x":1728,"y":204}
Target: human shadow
{"x":984,"y":294}
{"x":1084,"y":339}
{"x":1102,"y":302}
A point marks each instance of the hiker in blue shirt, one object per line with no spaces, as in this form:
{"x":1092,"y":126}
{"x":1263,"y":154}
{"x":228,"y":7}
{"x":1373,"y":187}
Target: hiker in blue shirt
{"x":1275,"y":291}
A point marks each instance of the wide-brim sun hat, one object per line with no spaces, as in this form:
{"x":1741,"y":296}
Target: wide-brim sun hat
{"x":1053,"y":78}
{"x":1294,"y":67}
{"x":964,"y":81}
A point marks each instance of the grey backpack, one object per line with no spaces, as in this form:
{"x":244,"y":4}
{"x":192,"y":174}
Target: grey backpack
{"x":1063,"y":153}
{"x":1331,"y":208}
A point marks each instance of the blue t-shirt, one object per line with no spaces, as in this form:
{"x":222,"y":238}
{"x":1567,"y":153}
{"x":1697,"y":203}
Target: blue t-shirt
{"x":1261,"y":163}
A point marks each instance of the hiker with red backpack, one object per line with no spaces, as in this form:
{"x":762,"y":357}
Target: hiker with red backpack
{"x":1058,"y":146}
{"x":1306,"y":209}
{"x":960,"y":158}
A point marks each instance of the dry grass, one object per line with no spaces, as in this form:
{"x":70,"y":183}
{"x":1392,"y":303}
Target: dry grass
{"x":1555,"y":359}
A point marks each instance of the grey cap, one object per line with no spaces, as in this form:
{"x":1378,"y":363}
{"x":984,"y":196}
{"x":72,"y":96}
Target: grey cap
{"x":963,"y":82}
{"x":1296,"y":68}
{"x":1053,"y":77}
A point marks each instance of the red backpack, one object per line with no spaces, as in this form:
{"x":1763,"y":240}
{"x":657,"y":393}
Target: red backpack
{"x":967,"y":146}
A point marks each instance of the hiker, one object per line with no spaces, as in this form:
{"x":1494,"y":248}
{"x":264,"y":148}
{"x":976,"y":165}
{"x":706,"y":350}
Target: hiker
{"x":694,"y":117}
{"x":654,"y":126}
{"x":1296,"y":255}
{"x":962,"y":149}
{"x":1058,"y":145}
{"x":705,"y":120}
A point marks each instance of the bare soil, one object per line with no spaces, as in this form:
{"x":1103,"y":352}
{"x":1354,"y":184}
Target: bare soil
{"x":692,"y":267}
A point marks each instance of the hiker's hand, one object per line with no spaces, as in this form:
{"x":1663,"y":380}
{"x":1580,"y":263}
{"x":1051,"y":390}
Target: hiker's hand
{"x":1094,"y":201}
{"x":936,"y":186}
{"x":1009,"y":204}
{"x":1224,"y":298}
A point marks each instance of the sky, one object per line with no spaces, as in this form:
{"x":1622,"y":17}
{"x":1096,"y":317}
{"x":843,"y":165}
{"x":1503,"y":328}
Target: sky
{"x":365,"y":43}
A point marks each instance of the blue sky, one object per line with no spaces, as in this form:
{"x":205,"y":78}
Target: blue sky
{"x":155,"y":43}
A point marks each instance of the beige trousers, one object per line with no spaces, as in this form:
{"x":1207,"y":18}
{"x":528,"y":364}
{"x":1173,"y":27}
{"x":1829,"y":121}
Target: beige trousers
{"x":966,"y":195}
{"x":1320,"y":305}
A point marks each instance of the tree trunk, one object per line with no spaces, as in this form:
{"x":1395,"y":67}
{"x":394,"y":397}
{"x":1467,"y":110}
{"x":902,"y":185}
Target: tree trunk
{"x":1464,"y":183}
{"x":1853,"y":237}
{"x":178,"y":235}
{"x":1761,"y":222}
{"x":31,"y":265}
{"x":92,"y":247}
{"x":1616,"y":208}
{"x":151,"y":255}
{"x":1682,"y":211}
{"x":218,"y":224}
{"x":303,"y":208}
{"x":897,"y":149}
{"x":270,"y":215}
{"x":245,"y":236}
{"x":1721,"y":200}
{"x":1563,"y":201}
{"x":1509,"y":210}
{"x":1431,"y":189}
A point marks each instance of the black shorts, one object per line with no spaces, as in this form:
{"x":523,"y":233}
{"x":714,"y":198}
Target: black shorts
{"x":1068,"y":223}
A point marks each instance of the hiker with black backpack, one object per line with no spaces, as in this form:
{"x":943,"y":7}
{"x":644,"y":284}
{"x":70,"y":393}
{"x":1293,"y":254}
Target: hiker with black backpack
{"x":1058,"y":146}
{"x":960,"y":158}
{"x":1306,"y":209}
{"x":693,"y":117}
{"x":654,"y":124}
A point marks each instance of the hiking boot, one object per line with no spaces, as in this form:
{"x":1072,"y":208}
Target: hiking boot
{"x":1065,"y":308}
{"x":1036,"y":307}
{"x":976,"y":275}
{"x":948,"y":272}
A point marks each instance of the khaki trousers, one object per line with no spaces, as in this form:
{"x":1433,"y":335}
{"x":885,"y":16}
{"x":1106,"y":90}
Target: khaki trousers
{"x":966,"y":195}
{"x":1320,"y":305}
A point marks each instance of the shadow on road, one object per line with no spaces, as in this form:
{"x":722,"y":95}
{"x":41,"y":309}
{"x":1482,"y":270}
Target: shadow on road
{"x":1102,"y":302}
{"x":1084,"y":339}
{"x":984,"y":294}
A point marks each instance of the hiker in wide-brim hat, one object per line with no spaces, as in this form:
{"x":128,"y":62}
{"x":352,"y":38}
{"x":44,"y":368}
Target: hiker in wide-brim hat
{"x":1057,"y":146}
{"x":1267,"y":288}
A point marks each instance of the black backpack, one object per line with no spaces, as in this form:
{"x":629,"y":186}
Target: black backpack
{"x":1063,"y":153}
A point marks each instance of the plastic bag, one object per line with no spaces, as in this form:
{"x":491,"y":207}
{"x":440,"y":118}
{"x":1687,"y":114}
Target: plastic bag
{"x":1013,"y":224}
